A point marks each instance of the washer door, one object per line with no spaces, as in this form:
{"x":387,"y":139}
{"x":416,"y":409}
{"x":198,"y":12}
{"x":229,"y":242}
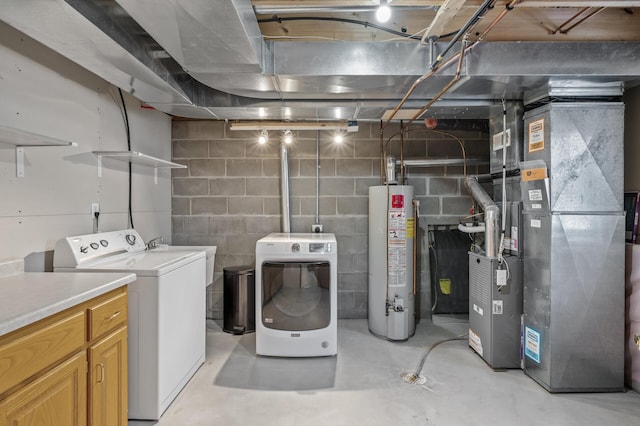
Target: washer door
{"x":295,"y":295}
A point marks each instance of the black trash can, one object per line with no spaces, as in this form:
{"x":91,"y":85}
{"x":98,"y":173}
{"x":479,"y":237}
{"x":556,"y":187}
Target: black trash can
{"x":239,"y":299}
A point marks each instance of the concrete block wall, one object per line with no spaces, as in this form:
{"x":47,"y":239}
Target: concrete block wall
{"x":229,"y":195}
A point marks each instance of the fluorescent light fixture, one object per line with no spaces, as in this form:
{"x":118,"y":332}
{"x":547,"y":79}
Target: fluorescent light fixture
{"x":288,"y":137}
{"x":291,"y":125}
{"x":264,"y":137}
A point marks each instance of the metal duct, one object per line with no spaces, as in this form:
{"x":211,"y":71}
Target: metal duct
{"x":284,"y":187}
{"x":219,"y":67}
{"x":491,"y":215}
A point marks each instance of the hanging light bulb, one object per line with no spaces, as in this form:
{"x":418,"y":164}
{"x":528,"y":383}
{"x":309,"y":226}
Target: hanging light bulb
{"x":338,"y":138}
{"x":288,"y":137}
{"x":263,"y":137}
{"x":383,"y":13}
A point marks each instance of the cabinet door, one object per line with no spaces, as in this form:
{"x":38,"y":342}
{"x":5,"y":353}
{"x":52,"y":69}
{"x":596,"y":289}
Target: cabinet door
{"x":108,"y":380}
{"x":57,"y":398}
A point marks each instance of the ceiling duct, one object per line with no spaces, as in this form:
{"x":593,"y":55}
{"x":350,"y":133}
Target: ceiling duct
{"x":206,"y":59}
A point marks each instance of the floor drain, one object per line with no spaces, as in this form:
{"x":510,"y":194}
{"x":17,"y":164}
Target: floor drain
{"x":414,"y":379}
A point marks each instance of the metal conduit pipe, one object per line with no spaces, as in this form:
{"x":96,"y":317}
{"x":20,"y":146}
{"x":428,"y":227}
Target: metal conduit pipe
{"x":284,"y":186}
{"x":491,"y":215}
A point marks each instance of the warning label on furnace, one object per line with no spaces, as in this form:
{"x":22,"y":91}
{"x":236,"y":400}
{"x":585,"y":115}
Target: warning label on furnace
{"x":536,"y":135}
{"x":532,"y":344}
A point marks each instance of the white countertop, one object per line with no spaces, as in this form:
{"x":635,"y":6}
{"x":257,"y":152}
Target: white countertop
{"x":30,"y":296}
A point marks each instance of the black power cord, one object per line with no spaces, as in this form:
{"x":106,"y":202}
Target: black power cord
{"x":126,"y":124}
{"x":349,"y":21}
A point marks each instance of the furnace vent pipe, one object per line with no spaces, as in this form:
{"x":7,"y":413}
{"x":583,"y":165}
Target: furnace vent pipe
{"x":491,"y":215}
{"x":284,"y":187}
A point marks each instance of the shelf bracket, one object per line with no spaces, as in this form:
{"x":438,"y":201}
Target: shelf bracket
{"x":99,"y":166}
{"x":19,"y":161}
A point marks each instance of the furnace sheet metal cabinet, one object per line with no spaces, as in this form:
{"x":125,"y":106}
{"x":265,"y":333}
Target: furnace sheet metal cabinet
{"x":573,"y":236}
{"x":494,"y":312}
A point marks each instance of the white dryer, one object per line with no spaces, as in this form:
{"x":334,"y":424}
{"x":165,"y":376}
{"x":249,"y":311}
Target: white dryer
{"x":166,"y":311}
{"x":297,"y":295}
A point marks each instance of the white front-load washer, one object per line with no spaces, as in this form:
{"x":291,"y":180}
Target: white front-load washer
{"x":296,"y":295}
{"x":166,"y":311}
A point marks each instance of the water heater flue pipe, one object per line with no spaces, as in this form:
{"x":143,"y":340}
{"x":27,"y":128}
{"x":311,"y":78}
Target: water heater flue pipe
{"x":491,"y":215}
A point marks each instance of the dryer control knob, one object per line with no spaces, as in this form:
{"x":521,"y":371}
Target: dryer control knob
{"x":94,"y":246}
{"x":295,"y":247}
{"x":131,"y":239}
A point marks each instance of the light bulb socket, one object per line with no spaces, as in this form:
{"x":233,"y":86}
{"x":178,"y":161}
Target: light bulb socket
{"x":263,"y":137}
{"x":287,"y":136}
{"x":383,"y":13}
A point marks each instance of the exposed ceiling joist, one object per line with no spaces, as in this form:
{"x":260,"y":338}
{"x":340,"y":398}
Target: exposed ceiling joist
{"x":445,"y":15}
{"x":579,"y":3}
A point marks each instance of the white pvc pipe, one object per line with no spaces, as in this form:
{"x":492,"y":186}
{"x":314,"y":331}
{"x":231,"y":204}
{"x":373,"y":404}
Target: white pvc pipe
{"x":471,"y":229}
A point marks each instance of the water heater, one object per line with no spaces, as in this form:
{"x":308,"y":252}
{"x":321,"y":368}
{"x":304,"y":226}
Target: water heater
{"x":391,"y":259}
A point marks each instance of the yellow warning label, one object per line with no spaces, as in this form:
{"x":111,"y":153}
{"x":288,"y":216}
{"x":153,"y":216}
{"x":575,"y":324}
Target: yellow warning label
{"x":445,"y":285}
{"x":534,"y":174}
{"x":411,"y":223}
{"x":536,"y":135}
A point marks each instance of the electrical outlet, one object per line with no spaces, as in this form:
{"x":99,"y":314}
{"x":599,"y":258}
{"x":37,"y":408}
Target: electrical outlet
{"x":316,"y":228}
{"x":95,"y":208}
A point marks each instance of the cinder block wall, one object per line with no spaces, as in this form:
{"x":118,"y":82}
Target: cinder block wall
{"x":230,"y":195}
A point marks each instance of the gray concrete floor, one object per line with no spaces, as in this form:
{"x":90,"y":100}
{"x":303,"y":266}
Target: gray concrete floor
{"x":362,"y":385}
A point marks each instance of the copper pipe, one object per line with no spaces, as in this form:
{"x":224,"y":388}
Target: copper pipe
{"x":569,"y":20}
{"x":415,"y":85}
{"x":444,"y":90}
{"x":595,"y":12}
{"x":415,"y":246}
{"x":508,"y":8}
{"x":401,"y":155}
{"x":383,"y":160}
{"x":445,"y":64}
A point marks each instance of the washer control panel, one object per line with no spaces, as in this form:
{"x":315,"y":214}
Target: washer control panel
{"x":74,"y":251}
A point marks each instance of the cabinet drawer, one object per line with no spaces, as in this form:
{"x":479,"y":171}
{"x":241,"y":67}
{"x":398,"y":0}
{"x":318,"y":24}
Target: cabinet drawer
{"x":31,"y":353}
{"x":107,"y":316}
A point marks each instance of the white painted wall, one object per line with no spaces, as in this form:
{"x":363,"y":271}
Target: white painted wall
{"x":42,"y":92}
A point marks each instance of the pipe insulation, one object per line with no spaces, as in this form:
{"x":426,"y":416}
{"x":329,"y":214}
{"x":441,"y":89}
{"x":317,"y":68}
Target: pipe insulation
{"x":491,"y":215}
{"x":284,"y":186}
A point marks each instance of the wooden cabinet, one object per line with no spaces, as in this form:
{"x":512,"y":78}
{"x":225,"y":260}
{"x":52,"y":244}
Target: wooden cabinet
{"x":108,"y":362}
{"x":58,"y":397}
{"x":68,"y":369}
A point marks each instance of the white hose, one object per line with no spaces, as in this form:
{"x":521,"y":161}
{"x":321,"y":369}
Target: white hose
{"x":470,"y":229}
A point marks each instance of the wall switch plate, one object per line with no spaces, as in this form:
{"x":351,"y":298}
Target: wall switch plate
{"x":95,"y":208}
{"x":316,"y":228}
